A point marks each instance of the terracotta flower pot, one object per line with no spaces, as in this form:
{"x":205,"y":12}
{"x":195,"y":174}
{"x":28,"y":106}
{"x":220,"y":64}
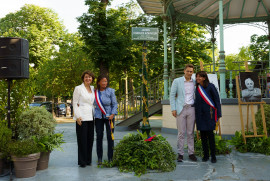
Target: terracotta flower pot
{"x":43,"y":161}
{"x":25,"y":166}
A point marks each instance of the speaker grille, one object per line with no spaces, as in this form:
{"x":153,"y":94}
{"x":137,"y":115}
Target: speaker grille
{"x":14,"y":68}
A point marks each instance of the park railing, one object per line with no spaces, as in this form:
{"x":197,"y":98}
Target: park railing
{"x":132,"y":103}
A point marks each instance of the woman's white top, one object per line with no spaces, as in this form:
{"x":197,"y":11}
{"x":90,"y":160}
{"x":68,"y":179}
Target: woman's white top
{"x":83,"y":103}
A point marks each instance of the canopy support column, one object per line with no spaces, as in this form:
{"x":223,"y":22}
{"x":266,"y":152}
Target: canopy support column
{"x":172,"y":46}
{"x":165,"y":75}
{"x":222,"y":68}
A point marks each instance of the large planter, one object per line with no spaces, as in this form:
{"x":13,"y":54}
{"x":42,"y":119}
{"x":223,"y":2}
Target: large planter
{"x":25,"y":166}
{"x":1,"y":163}
{"x":43,"y":161}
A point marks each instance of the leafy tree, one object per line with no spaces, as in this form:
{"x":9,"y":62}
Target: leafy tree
{"x":260,"y":51}
{"x":58,"y":76}
{"x":98,"y":33}
{"x":191,"y":45}
{"x":40,"y":26}
{"x":259,"y":47}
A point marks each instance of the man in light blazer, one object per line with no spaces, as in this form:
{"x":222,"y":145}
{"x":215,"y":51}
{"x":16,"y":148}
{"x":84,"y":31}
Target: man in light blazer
{"x":182,"y":100}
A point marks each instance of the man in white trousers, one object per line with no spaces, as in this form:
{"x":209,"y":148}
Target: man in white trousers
{"x":182,"y":100}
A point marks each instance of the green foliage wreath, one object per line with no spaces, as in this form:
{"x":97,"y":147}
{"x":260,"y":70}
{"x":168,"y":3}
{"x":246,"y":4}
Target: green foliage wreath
{"x":134,"y":154}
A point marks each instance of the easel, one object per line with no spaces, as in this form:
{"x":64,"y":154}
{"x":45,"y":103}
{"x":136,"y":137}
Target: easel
{"x":251,"y":105}
{"x":219,"y":128}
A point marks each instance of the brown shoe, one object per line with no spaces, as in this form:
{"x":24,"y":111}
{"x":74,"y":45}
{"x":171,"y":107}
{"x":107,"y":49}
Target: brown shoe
{"x":180,"y":158}
{"x":193,"y":157}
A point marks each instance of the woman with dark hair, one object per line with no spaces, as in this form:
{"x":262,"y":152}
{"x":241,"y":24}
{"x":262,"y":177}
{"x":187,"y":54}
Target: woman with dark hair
{"x":83,"y":100}
{"x":105,"y":110}
{"x":207,"y":113}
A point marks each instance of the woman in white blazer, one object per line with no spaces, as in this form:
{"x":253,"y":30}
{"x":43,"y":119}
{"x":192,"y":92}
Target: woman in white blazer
{"x":83,"y":100}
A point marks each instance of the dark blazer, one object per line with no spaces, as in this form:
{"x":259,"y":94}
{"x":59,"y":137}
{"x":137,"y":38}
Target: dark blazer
{"x":204,"y":121}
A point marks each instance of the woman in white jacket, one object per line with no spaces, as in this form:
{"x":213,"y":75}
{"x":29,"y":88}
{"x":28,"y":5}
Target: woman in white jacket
{"x":83,"y":99}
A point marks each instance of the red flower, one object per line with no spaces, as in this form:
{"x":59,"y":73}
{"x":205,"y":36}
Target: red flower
{"x":150,"y":138}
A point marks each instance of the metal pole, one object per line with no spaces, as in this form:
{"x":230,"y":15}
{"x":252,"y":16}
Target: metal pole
{"x":9,"y":123}
{"x":145,"y":125}
{"x":8,"y":106}
{"x":213,"y":40}
{"x":222,"y":68}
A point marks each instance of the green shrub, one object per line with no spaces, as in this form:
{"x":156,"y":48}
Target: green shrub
{"x":50,"y":142}
{"x":37,"y":122}
{"x":222,"y":146}
{"x":254,"y":144}
{"x":258,"y":118}
{"x":238,"y":142}
{"x":132,"y":153}
{"x":5,"y":137}
{"x":23,"y":147}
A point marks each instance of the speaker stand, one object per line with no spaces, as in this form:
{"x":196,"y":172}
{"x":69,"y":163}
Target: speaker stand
{"x":9,"y":123}
{"x":8,"y":101}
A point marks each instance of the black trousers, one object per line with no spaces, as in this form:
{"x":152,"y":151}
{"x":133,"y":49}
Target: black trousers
{"x":85,"y":139}
{"x":100,"y":130}
{"x":208,"y":136}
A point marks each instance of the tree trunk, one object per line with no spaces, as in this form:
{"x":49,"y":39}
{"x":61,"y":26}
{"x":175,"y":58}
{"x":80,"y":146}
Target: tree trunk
{"x":103,"y":65}
{"x":103,"y":68}
{"x":105,"y":2}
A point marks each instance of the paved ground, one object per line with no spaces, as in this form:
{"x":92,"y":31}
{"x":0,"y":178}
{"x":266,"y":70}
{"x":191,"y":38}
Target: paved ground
{"x":63,"y":165}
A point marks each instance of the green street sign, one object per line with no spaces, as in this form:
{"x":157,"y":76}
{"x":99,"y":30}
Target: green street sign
{"x":144,"y":33}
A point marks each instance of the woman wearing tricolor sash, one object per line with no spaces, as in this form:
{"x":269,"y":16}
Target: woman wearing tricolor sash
{"x":105,"y":110}
{"x":207,"y":113}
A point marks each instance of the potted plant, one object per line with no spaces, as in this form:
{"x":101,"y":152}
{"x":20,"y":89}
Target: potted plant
{"x":5,"y":138}
{"x":39,"y":124}
{"x":48,"y":144}
{"x":24,"y":154}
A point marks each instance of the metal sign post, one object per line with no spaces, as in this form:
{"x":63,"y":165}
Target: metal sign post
{"x":144,"y":34}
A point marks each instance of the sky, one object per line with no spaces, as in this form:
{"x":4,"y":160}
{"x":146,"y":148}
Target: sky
{"x":234,"y":37}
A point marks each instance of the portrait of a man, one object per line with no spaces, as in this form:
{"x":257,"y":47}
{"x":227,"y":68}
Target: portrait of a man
{"x":250,"y":87}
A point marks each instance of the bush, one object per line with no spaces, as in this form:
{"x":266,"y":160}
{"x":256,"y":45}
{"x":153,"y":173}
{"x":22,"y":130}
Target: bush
{"x":50,"y":142}
{"x":23,"y":147}
{"x":135,"y":154}
{"x":37,"y":122}
{"x":5,"y":137}
{"x":258,"y":118}
{"x":255,"y":145}
{"x":238,"y":142}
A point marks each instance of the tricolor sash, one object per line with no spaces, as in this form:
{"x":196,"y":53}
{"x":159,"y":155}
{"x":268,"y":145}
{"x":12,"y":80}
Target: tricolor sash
{"x":207,"y":99}
{"x":99,"y":102}
{"x":102,"y":109}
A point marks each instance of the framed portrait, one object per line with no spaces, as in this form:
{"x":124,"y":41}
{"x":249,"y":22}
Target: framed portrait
{"x":250,"y":87}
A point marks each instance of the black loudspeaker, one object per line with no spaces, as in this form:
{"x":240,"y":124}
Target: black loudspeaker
{"x":14,"y":58}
